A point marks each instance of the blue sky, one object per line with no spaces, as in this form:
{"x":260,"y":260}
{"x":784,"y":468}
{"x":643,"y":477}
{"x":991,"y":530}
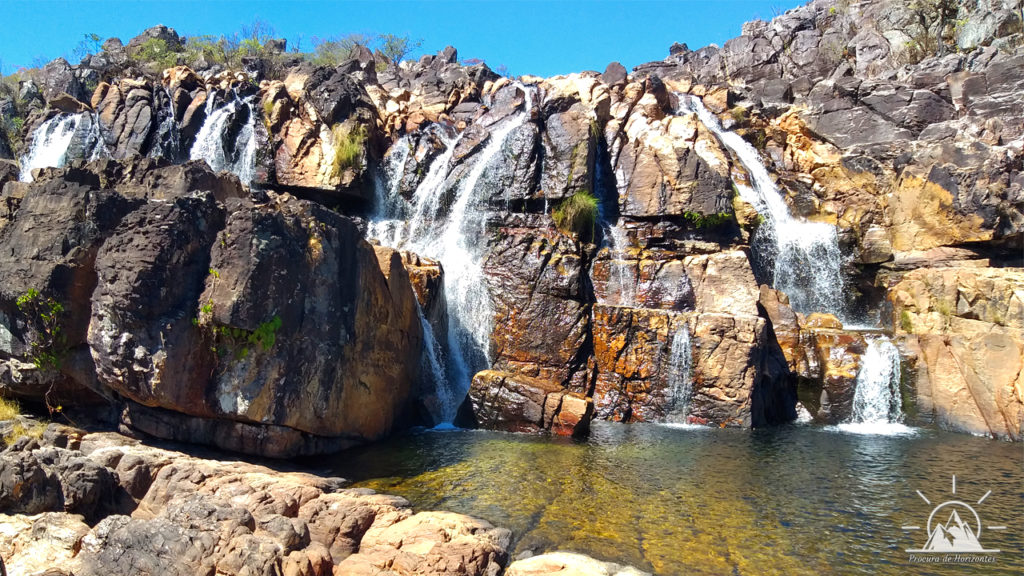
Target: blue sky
{"x":542,"y":37}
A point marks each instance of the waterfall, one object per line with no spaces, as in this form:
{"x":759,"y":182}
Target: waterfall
{"x":432,"y":368}
{"x":680,"y":379}
{"x":620,"y":268}
{"x":803,"y":256}
{"x":457,"y":240}
{"x":60,"y":139}
{"x":213,"y":144}
{"x":50,"y":142}
{"x":877,"y":406}
{"x":171,"y":149}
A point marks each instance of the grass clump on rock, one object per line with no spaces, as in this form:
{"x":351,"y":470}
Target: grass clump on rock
{"x":577,"y":215}
{"x":15,"y":426}
{"x":348,"y":148}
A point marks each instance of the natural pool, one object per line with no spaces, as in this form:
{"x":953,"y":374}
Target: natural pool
{"x":791,"y":500}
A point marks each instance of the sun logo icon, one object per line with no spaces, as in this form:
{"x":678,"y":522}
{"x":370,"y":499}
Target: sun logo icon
{"x":961,"y":531}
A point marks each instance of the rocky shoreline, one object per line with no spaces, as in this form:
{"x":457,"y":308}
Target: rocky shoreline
{"x":86,"y":503}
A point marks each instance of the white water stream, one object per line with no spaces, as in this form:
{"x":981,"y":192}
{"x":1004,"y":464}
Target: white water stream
{"x":456,"y":237}
{"x":210,"y":145}
{"x":803,"y":256}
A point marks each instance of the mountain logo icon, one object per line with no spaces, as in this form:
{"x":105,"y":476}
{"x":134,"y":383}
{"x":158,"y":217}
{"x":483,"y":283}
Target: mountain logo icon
{"x":961,"y":531}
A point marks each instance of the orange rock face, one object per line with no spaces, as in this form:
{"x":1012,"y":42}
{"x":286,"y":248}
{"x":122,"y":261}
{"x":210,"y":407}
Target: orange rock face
{"x":962,"y":331}
{"x":504,"y":401}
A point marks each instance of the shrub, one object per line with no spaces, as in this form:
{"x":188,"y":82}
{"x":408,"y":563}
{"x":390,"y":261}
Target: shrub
{"x":905,"y":322}
{"x":46,"y":316}
{"x":156,"y":52}
{"x":348,"y":148}
{"x":396,"y":48}
{"x":702,"y":221}
{"x":211,"y":49}
{"x":333,"y":51}
{"x":577,"y":215}
{"x":739,"y":114}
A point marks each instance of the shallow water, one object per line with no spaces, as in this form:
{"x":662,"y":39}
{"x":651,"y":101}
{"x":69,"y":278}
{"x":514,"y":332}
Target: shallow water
{"x":685,"y":500}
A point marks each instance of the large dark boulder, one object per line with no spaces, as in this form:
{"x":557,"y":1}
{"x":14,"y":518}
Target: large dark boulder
{"x":265,"y":328}
{"x":47,"y":260}
{"x":538,"y":283}
{"x":151,"y":271}
{"x":54,"y":480}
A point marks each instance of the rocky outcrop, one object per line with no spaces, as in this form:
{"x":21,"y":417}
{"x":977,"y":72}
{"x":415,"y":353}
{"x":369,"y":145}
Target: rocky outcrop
{"x":960,"y":329}
{"x":185,"y":515}
{"x":515,"y":403}
{"x":737,"y":377}
{"x":542,"y":316}
{"x":324,"y":131}
{"x":266,"y":326}
{"x":665,"y":164}
{"x":48,"y":252}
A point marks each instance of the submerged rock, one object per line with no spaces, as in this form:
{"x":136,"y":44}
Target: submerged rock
{"x":568,"y":564}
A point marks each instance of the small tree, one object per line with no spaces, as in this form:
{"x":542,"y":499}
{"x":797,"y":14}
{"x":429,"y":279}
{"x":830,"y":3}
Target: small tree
{"x":936,"y":20}
{"x":89,"y":45}
{"x":396,"y":48}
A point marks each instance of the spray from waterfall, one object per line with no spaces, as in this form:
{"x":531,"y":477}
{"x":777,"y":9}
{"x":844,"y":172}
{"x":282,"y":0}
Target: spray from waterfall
{"x":237,"y":155}
{"x":449,"y":227}
{"x":54,"y":142}
{"x":877,"y":404}
{"x":680,"y":378}
{"x":803,"y":257}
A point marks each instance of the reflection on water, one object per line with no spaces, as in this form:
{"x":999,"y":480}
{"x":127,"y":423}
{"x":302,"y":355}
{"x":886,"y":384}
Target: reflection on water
{"x":797,"y":500}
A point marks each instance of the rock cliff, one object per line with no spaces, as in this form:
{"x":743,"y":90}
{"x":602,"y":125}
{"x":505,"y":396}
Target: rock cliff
{"x":634,"y":246}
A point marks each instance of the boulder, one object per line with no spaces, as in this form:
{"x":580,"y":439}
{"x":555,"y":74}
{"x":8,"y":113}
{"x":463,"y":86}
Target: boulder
{"x":570,"y":150}
{"x":143,"y":340}
{"x":55,"y":480}
{"x":231,"y":342}
{"x":194,"y":515}
{"x":667,"y":165}
{"x":431,"y":543}
{"x":47,"y":263}
{"x":56,"y":78}
{"x":735,"y":373}
{"x":537,"y":281}
{"x":514,"y":403}
{"x":41,"y":543}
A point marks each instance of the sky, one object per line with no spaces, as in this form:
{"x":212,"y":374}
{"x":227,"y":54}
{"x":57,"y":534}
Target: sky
{"x":539,"y":37}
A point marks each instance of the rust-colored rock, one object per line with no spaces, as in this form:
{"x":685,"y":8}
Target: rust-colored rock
{"x":503,"y":401}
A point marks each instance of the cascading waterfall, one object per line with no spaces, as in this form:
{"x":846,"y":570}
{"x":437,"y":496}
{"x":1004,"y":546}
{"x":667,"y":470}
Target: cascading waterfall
{"x":621,"y":269}
{"x":432,"y":364}
{"x":803,"y":256}
{"x":680,"y":379}
{"x":456,"y":240}
{"x":877,"y":405}
{"x":168,"y":126}
{"x":212,"y":146}
{"x":50,"y":142}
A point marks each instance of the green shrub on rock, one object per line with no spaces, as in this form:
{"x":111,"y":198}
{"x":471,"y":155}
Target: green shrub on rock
{"x":577,"y":215}
{"x":348,"y":148}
